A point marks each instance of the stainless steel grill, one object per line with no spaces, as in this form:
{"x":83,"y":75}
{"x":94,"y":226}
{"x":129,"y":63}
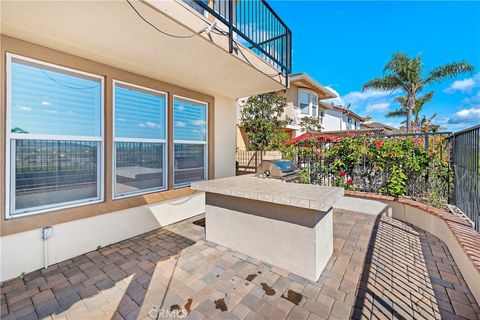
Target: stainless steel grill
{"x":284,"y":170}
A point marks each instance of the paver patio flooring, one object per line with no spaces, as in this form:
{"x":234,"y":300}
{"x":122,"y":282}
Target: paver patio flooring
{"x":400,"y":272}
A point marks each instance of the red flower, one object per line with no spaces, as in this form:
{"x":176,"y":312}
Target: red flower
{"x":391,"y":154}
{"x":342,"y":173}
{"x":350,"y":181}
{"x":378,"y":144}
{"x":418,"y":141}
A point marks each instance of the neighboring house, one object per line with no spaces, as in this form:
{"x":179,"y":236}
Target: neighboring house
{"x":303,"y":97}
{"x":109,"y":117}
{"x":338,"y":118}
{"x":307,"y":98}
{"x":368,"y":124}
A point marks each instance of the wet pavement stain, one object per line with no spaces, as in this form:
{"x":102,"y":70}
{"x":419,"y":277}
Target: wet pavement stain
{"x":269,"y":291}
{"x":259,"y":272}
{"x":175,"y":307}
{"x":250,"y":277}
{"x":188,"y":306}
{"x":293,"y":297}
{"x":220,"y":304}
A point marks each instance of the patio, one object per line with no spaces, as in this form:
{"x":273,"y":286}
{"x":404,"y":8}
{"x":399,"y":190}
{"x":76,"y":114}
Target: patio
{"x":401,"y":272}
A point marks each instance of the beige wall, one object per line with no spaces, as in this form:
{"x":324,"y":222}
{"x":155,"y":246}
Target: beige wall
{"x":225,"y":134}
{"x":82,"y":229}
{"x":25,"y":251}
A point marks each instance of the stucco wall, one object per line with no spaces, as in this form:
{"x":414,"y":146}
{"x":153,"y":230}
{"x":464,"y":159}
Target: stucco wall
{"x":24,"y":251}
{"x":333,"y":121}
{"x":438,"y":224}
{"x":225,"y":136}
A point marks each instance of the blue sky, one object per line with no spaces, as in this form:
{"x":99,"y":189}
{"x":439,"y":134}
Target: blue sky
{"x":344,"y":44}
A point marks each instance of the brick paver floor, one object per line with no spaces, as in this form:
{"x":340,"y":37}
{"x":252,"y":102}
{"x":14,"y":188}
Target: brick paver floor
{"x":400,"y":272}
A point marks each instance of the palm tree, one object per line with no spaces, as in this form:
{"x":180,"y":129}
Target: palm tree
{"x":426,"y":124}
{"x":405,"y":73}
{"x":417,"y":109}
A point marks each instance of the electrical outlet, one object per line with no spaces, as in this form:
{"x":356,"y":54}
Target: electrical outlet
{"x":47,"y":232}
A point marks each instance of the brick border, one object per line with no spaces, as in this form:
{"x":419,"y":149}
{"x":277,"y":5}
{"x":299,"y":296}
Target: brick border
{"x":466,"y":236}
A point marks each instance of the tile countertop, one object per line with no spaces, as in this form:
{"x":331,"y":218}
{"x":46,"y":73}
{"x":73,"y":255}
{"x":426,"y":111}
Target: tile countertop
{"x":272,"y":190}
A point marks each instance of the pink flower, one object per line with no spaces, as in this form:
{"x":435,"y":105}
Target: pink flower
{"x":391,"y":154}
{"x":378,"y":144}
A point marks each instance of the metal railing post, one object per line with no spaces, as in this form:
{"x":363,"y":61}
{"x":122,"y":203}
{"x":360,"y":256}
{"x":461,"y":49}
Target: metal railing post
{"x":230,"y":24}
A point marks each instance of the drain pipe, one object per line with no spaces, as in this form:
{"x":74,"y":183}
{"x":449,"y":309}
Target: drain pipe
{"x":47,"y":232}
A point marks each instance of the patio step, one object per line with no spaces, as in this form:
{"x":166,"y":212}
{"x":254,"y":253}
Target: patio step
{"x":360,"y":206}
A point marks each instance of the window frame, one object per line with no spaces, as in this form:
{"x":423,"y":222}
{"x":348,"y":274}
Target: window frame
{"x":206,"y":142}
{"x":310,"y":93}
{"x":145,"y":140}
{"x":10,"y":148}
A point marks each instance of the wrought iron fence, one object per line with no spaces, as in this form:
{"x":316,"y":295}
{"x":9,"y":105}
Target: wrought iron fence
{"x":248,"y":161}
{"x":465,"y":155}
{"x":254,"y":24}
{"x":432,"y":184}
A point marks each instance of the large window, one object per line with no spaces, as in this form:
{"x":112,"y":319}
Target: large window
{"x":190,"y":141}
{"x":308,"y":103}
{"x":140,"y":137}
{"x":54,"y":137}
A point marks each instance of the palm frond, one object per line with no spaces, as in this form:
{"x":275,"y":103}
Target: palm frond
{"x":387,"y":83}
{"x":420,"y":102}
{"x":448,"y":70}
{"x":405,"y":68}
{"x":402,"y":100}
{"x":399,"y":113}
{"x":432,"y":117}
{"x":397,"y":63}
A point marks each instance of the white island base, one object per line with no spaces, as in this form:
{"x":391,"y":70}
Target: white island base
{"x":298,"y":240}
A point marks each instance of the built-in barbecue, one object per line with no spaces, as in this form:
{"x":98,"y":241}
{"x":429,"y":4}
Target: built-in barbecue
{"x":284,"y":170}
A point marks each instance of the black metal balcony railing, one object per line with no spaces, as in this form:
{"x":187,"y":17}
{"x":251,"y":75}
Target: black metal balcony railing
{"x":254,"y":24}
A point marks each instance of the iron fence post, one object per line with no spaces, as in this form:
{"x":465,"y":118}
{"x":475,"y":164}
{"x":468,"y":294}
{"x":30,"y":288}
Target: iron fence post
{"x":230,"y":25}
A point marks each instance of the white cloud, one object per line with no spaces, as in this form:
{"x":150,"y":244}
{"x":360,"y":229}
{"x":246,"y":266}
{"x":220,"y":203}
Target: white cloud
{"x":197,"y":122}
{"x":180,"y":108}
{"x":151,"y":124}
{"x":370,"y":101}
{"x":148,"y":124}
{"x":360,"y":96}
{"x":465,"y":116}
{"x":180,"y":124}
{"x":46,"y":103}
{"x":24,"y":108}
{"x":465,"y":85}
{"x":377,"y":107}
{"x":338,"y":100}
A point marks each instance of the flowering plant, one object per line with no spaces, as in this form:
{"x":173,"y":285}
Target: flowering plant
{"x":396,"y":166}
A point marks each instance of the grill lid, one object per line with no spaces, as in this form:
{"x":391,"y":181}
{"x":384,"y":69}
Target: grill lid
{"x":285,"y":166}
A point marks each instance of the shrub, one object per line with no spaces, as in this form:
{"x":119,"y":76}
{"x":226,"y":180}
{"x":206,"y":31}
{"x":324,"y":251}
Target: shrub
{"x":397,"y":166}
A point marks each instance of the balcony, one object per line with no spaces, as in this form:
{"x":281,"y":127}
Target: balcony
{"x":171,"y":41}
{"x":253,"y":24}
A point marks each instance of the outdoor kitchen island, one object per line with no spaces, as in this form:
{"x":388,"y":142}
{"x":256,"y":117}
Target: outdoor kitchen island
{"x":288,"y":225}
